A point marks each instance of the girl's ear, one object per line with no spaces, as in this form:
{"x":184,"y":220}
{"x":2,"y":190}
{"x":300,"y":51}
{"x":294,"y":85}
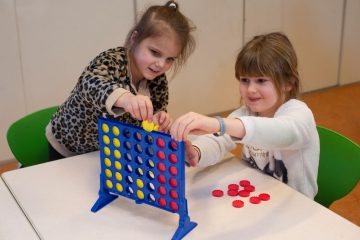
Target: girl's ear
{"x":133,"y":37}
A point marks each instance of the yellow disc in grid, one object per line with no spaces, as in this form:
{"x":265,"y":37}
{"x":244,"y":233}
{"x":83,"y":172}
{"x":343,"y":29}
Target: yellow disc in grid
{"x":119,"y":187}
{"x":140,"y":194}
{"x":107,"y":162}
{"x":118,"y":165}
{"x":107,"y":151}
{"x":147,"y":126}
{"x":140,"y":171}
{"x":106,"y":139}
{"x":116,"y":142}
{"x":118,"y":176}
{"x":105,"y":127}
{"x":117,"y":154}
{"x":108,"y":173}
{"x":139,"y":183}
{"x":109,"y":184}
{"x":115,"y":131}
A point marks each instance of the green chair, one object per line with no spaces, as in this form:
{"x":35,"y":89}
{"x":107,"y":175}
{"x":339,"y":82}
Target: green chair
{"x":339,"y":166}
{"x":26,"y":137}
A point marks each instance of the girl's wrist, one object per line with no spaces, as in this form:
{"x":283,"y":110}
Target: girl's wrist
{"x":197,"y":149}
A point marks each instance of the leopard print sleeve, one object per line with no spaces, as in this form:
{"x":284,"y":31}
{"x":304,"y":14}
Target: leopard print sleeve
{"x":159,"y":93}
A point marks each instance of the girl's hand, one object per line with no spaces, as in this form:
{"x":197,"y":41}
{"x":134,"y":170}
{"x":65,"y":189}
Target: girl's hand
{"x":192,"y":156}
{"x":140,"y":107}
{"x":164,"y":120}
{"x":193,"y":123}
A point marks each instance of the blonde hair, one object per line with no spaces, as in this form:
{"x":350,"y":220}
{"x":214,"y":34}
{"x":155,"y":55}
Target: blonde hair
{"x":158,"y":19}
{"x":270,"y":55}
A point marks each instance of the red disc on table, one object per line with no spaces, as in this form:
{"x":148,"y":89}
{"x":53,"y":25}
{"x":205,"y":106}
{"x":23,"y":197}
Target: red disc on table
{"x":173,"y":158}
{"x":244,"y":183}
{"x":244,"y":193}
{"x":233,"y":187}
{"x":160,"y":142}
{"x":249,"y":188}
{"x":161,"y":167}
{"x":173,"y":170}
{"x":238,"y":203}
{"x":255,"y":200}
{"x":232,"y":193}
{"x":264,"y":196}
{"x":217,"y":193}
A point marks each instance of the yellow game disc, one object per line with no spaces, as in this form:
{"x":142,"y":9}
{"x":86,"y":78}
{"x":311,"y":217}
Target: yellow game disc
{"x":109,"y":184}
{"x":140,"y":171}
{"x":107,"y":151}
{"x":107,"y":162}
{"x":117,"y":154}
{"x":117,"y":165}
{"x":116,"y":142}
{"x":115,"y":131}
{"x":106,"y":139}
{"x":156,"y":127}
{"x":119,"y":187}
{"x":108,"y":173}
{"x":118,"y":176}
{"x":139,"y":183}
{"x":147,"y":126}
{"x":140,"y":194}
{"x":105,"y":128}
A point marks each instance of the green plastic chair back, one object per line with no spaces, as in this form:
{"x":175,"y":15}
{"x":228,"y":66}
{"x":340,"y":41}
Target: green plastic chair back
{"x":26,"y":137}
{"x":339,"y":166}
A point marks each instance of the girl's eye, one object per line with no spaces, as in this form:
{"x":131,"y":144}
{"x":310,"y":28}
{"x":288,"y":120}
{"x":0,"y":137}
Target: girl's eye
{"x":261,"y":80}
{"x":155,"y":53}
{"x":170,"y":60}
{"x":244,"y":80}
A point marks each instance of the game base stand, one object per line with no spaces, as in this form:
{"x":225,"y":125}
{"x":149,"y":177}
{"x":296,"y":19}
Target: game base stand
{"x":144,"y":165}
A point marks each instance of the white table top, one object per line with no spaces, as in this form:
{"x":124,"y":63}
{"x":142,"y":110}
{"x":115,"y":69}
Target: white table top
{"x":13,"y":222}
{"x":58,"y":196}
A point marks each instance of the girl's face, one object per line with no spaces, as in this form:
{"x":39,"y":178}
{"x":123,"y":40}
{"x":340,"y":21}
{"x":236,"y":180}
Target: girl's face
{"x":259,"y":95}
{"x":154,"y":56}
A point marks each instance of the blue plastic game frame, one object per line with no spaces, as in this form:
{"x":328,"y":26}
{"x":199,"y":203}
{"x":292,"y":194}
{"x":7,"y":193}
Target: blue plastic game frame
{"x":148,"y":167}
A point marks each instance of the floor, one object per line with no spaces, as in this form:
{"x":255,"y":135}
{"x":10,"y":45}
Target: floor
{"x":336,"y":108}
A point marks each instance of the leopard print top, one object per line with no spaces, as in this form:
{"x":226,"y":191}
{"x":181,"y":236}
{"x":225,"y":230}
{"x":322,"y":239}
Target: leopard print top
{"x":74,"y":125}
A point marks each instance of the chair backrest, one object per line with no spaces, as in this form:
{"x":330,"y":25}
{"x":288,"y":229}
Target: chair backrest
{"x":26,"y":137}
{"x":339,"y":166}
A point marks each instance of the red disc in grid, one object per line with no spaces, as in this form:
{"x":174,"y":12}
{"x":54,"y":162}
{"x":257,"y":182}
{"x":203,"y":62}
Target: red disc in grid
{"x":160,"y":142}
{"x":174,"y":206}
{"x":244,"y":183}
{"x":161,"y":155}
{"x":173,"y":194}
{"x":254,"y":200}
{"x":173,"y":182}
{"x":232,"y":193}
{"x":244,"y":193}
{"x":264,"y":196}
{"x":238,"y":203}
{"x":217,"y":193}
{"x":173,"y":145}
{"x":162,"y":190}
{"x":173,"y":170}
{"x":233,"y":186}
{"x":162,"y":202}
{"x":173,"y":158}
{"x":249,"y":188}
{"x":161,"y":178}
{"x":161,"y":167}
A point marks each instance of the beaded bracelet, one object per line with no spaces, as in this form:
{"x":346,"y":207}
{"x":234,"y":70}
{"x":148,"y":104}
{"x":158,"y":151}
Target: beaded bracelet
{"x":222,"y":126}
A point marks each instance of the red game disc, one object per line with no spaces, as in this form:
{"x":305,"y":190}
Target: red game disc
{"x":249,"y":188}
{"x":264,"y":196}
{"x":244,"y":193}
{"x":232,"y":193}
{"x":255,"y":200}
{"x":238,"y":204}
{"x":244,"y":183}
{"x":217,"y":193}
{"x":233,"y":187}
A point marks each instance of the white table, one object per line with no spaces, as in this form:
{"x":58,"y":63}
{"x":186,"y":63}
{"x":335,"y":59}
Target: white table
{"x":13,"y":222}
{"x":57,"y":198}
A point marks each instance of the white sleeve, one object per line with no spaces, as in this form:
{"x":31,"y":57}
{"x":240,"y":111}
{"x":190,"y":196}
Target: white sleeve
{"x":290,"y":128}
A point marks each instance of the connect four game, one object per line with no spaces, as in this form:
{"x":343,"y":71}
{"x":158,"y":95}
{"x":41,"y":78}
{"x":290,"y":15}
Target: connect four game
{"x":144,"y":165}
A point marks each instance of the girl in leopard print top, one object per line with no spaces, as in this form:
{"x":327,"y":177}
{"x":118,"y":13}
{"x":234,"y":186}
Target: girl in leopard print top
{"x":124,"y":83}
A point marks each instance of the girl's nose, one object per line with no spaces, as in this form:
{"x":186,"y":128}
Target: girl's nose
{"x":160,"y":63}
{"x":252,"y":87}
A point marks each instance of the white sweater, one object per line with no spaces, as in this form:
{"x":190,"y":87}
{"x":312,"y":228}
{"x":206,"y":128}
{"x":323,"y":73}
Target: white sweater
{"x":285,"y":146}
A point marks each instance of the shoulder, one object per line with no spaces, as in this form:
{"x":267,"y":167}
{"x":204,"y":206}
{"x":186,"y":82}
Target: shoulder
{"x":118,"y":53}
{"x":293,"y":106}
